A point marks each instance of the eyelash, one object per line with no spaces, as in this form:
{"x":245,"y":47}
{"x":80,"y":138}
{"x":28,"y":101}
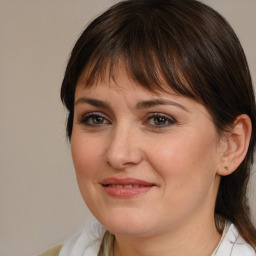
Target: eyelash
{"x":88,"y":120}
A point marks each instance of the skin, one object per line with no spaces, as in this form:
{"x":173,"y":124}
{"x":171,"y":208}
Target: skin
{"x":180,"y":153}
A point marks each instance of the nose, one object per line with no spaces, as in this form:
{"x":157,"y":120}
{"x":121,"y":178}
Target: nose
{"x":123,"y":149}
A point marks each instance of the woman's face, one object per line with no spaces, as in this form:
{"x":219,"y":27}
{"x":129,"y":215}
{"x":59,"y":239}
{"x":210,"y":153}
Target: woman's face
{"x":146,"y":163}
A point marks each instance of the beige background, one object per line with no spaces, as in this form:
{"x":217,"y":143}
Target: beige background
{"x":40,"y":202}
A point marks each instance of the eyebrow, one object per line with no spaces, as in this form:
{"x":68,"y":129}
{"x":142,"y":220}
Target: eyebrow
{"x":93,"y":102}
{"x":140,"y":105}
{"x":157,"y":102}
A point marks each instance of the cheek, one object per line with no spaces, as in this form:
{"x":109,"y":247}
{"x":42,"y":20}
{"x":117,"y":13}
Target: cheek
{"x":85,"y":156}
{"x":87,"y":159}
{"x":187,"y":170}
{"x":186,"y":163}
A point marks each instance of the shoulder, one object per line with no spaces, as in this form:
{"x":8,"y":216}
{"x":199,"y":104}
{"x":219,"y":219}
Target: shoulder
{"x":233,"y":244}
{"x":85,"y":242}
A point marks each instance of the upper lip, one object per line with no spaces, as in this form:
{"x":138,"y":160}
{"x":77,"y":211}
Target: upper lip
{"x":125,"y":181}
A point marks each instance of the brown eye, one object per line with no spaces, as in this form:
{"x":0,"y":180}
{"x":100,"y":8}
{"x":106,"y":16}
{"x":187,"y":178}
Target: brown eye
{"x":94,"y":119}
{"x":160,"y":120}
{"x":97,"y":119}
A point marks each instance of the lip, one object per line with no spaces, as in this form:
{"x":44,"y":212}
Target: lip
{"x":126,"y":187}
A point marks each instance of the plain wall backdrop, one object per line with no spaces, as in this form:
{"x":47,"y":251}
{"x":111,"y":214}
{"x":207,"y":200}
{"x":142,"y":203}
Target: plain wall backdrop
{"x":40,"y":202}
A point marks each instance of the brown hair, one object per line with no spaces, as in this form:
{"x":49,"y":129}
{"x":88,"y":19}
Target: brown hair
{"x":196,"y":52}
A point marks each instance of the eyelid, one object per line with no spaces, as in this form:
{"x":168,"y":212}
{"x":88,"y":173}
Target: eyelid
{"x":156,"y":114}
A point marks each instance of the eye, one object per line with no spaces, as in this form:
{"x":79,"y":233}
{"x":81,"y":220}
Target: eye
{"x":159,"y":120}
{"x":94,"y":119}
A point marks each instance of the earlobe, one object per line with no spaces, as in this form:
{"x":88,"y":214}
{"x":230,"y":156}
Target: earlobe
{"x":236,"y":145}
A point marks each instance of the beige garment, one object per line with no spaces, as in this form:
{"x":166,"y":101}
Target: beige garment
{"x":52,"y":252}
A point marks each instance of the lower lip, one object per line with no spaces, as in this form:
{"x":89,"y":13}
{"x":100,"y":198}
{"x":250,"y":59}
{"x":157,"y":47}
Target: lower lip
{"x":126,"y":192}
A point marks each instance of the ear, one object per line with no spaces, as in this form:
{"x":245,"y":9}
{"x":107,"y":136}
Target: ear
{"x":236,"y":143}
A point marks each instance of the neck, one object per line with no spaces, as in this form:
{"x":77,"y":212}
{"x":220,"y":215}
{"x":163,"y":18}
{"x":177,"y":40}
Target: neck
{"x":186,"y":239}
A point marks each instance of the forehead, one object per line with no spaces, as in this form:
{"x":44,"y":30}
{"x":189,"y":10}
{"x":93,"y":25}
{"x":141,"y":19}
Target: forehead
{"x":119,"y":82}
{"x":121,"y":78}
{"x":123,"y":89}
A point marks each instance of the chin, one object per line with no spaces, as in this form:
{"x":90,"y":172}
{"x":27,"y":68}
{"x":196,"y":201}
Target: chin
{"x":127,"y":224}
{"x":132,"y":230}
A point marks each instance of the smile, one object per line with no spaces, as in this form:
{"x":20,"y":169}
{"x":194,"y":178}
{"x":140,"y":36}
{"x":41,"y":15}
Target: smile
{"x":126,"y":188}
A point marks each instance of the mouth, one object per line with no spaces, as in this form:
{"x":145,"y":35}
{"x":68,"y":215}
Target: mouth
{"x":126,"y":187}
{"x":123,"y":186}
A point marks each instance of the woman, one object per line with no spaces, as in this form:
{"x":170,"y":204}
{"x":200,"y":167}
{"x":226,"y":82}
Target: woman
{"x":162,"y":129}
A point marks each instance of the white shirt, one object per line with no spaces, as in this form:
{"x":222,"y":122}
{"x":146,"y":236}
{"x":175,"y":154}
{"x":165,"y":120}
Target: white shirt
{"x":87,"y":242}
{"x":233,"y":244}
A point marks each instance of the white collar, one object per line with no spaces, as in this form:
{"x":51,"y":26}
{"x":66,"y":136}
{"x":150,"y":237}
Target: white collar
{"x":86,"y":242}
{"x":232,"y":244}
